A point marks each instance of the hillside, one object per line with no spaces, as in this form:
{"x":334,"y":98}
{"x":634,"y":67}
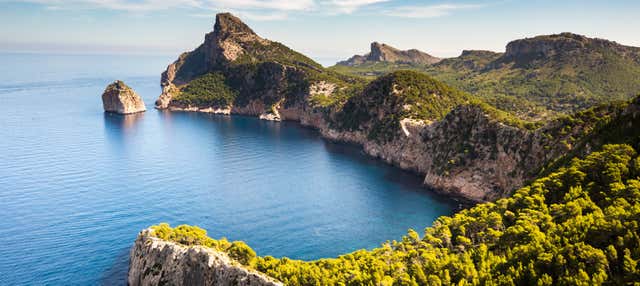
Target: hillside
{"x":389,"y":99}
{"x":236,"y":71}
{"x":540,"y":77}
{"x":462,"y":146}
{"x":577,"y":225}
{"x":559,"y":200}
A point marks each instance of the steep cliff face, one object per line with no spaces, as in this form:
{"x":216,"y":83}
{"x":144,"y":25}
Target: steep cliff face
{"x":229,"y":40}
{"x":461,"y":145}
{"x":262,"y":75}
{"x":159,"y":262}
{"x":385,"y":53}
{"x":120,"y":98}
{"x":562,"y":45}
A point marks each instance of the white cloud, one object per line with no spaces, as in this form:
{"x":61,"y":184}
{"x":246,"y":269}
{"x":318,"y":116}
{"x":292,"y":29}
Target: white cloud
{"x":120,"y":5}
{"x":260,"y":10}
{"x":429,"y":11}
{"x":349,"y":6}
{"x":252,"y":6}
{"x":151,"y":5}
{"x":279,"y":5}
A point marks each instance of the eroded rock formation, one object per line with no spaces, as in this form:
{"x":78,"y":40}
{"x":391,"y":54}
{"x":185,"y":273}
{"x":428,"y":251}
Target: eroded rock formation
{"x":120,"y":98}
{"x":385,"y":53}
{"x":158,"y":262}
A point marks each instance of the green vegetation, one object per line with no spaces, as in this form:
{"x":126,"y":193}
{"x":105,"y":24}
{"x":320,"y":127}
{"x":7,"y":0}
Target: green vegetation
{"x":563,"y":84}
{"x":582,"y":73}
{"x":408,"y":94}
{"x":603,"y":124}
{"x":400,"y":94}
{"x":265,"y":71}
{"x":338,"y":98}
{"x":193,"y":235}
{"x":577,"y":226}
{"x":371,"y":70}
{"x":257,"y":52}
{"x":207,"y":90}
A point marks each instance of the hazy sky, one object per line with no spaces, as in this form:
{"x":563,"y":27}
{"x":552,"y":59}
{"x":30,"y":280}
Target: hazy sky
{"x":326,"y":30}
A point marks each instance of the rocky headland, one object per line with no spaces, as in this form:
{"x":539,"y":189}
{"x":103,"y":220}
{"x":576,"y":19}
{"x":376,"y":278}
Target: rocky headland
{"x":581,"y":169}
{"x":120,"y":98}
{"x":154,"y":261}
{"x":461,"y":145}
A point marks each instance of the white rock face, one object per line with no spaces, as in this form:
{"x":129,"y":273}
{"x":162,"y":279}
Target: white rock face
{"x":158,"y":262}
{"x":119,"y":98}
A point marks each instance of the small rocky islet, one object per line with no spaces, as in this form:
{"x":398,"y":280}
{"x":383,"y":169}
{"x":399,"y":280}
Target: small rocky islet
{"x":559,"y":198}
{"x":121,"y":99}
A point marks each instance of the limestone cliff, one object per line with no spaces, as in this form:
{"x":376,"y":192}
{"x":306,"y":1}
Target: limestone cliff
{"x":385,"y":53}
{"x":120,"y":98}
{"x":158,"y":262}
{"x":562,"y":45}
{"x":407,"y":119}
{"x":460,"y":145}
{"x":260,"y":74}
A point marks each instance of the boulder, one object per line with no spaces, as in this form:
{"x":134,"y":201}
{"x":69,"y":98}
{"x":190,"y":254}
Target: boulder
{"x":120,"y":98}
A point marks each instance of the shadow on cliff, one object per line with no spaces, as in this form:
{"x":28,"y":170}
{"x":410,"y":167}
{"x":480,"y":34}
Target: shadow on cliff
{"x":392,"y":173}
{"x":117,"y":273}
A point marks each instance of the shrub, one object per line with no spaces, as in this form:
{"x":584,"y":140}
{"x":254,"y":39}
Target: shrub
{"x":241,"y":252}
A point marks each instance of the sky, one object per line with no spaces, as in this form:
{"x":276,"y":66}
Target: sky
{"x":325,"y":30}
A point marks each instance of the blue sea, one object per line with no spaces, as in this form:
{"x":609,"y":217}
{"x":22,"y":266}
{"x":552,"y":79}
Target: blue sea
{"x":77,"y":185}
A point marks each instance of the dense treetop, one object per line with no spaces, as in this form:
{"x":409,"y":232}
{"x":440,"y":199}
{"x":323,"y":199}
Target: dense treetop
{"x":576,"y":226}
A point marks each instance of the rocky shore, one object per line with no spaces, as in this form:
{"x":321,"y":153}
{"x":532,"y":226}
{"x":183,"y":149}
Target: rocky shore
{"x":154,"y":261}
{"x":468,"y":153}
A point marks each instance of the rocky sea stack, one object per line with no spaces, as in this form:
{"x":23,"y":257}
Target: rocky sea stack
{"x":120,"y":98}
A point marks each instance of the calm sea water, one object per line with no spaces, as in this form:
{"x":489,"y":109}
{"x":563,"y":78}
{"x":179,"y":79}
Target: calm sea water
{"x":77,"y":185}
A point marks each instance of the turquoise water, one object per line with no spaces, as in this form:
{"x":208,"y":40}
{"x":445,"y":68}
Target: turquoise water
{"x":77,"y":185}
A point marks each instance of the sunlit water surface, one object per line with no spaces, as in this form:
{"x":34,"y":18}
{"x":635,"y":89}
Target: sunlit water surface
{"x":77,"y":185}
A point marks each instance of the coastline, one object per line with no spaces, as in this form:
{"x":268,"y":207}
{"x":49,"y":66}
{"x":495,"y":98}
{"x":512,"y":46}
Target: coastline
{"x":368,"y":148}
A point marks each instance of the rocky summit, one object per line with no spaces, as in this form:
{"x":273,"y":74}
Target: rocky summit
{"x":385,"y":53}
{"x":120,"y":98}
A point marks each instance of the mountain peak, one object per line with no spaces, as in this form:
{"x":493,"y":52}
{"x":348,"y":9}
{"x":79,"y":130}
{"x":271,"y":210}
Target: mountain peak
{"x":227,"y":24}
{"x":546,"y":46}
{"x":384,"y":53}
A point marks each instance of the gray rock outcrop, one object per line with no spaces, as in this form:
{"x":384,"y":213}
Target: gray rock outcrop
{"x":154,"y":261}
{"x":120,"y":98}
{"x":385,"y":53}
